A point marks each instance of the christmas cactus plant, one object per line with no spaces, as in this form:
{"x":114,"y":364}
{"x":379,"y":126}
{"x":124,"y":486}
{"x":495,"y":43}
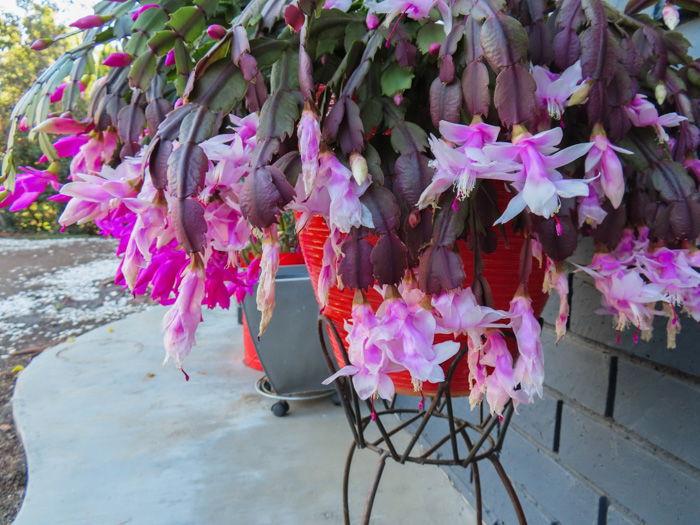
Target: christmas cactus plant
{"x":421,"y":131}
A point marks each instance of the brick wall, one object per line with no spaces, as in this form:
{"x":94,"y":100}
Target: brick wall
{"x":616,"y":438}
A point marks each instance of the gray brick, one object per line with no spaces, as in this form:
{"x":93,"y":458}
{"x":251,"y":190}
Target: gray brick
{"x":538,"y":419}
{"x":659,"y":490}
{"x":563,"y":495}
{"x":659,"y":407}
{"x":577,"y":370}
{"x":599,"y":328}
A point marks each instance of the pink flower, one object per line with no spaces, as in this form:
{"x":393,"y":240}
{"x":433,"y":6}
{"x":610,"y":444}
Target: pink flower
{"x":68,"y":146}
{"x":643,"y":113}
{"x":57,"y":95}
{"x":602,"y":161}
{"x":540,"y":185}
{"x":461,"y":165}
{"x":556,"y":279}
{"x":29,"y":184}
{"x":94,"y":153}
{"x":346,"y":210}
{"x":671,"y":16}
{"x":372,"y":21}
{"x":228,"y":230}
{"x":460,"y":314}
{"x":369,"y":364}
{"x":60,"y":125}
{"x":23,"y":124}
{"x":589,"y":209}
{"x":529,"y":368}
{"x":216,"y":31}
{"x":415,"y":9}
{"x":90,"y":21}
{"x":181,"y":321}
{"x":343,"y":5}
{"x":554,"y":90}
{"x":117,"y":59}
{"x":309,"y":133}
{"x":500,"y":384}
{"x":141,"y":9}
{"x":270,"y":261}
{"x":170,"y":58}
{"x":407,"y":334}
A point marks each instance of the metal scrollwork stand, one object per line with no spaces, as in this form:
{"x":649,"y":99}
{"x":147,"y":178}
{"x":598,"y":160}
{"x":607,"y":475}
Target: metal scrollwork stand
{"x":483,"y":440}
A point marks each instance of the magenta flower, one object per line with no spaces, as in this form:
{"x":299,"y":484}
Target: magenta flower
{"x":269,"y":264}
{"x":369,"y":364}
{"x":142,"y":9}
{"x":346,"y":210}
{"x":529,"y":368}
{"x":117,"y":59}
{"x":540,"y":185}
{"x":94,"y":153}
{"x":60,"y":125}
{"x":170,"y":58}
{"x":29,"y":184}
{"x":68,"y":146}
{"x":500,"y":384}
{"x":602,"y":161}
{"x":90,"y":21}
{"x":372,"y":21}
{"x":181,"y":321}
{"x":57,"y":95}
{"x":216,"y":31}
{"x":556,"y":279}
{"x":309,"y":133}
{"x":643,"y":113}
{"x":554,"y":90}
{"x":461,"y":165}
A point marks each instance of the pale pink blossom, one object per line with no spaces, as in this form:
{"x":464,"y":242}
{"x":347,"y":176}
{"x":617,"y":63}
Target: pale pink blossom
{"x":643,"y":113}
{"x":500,"y":383}
{"x":369,"y":364}
{"x":343,"y":5}
{"x":460,"y":160}
{"x":227,"y":227}
{"x":540,"y":185}
{"x":554,"y":90}
{"x":346,"y":210}
{"x":671,"y":16}
{"x":414,"y":9}
{"x":269,"y":264}
{"x":181,"y":321}
{"x":589,"y":209}
{"x":529,"y":368}
{"x":458,"y":313}
{"x":328,"y":276}
{"x":556,"y":279}
{"x":602,"y":162}
{"x":309,"y":133}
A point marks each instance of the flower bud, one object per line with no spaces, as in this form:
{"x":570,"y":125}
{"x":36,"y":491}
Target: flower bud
{"x":671,"y":16}
{"x":170,"y":58}
{"x":372,"y":21}
{"x":398,"y":99}
{"x":216,"y":31}
{"x":40,"y":44}
{"x":23,"y":124}
{"x":90,"y":21}
{"x":358,"y":165}
{"x":54,"y":167}
{"x":117,"y":60}
{"x":434,"y":48}
{"x":660,"y":93}
{"x":142,"y":9}
{"x":294,"y":17}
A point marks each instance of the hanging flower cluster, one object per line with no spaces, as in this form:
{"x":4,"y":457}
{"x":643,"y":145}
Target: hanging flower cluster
{"x":428,"y":135}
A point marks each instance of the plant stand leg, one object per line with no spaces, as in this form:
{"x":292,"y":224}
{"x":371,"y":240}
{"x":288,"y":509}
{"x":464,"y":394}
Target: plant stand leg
{"x":509,"y":488}
{"x":346,"y":483}
{"x":375,"y":486}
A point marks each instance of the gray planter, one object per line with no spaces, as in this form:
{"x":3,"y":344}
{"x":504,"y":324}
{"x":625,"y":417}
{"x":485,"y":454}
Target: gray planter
{"x":289,"y":350}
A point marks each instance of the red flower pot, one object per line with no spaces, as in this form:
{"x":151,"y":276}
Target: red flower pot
{"x":500,"y":268}
{"x":250,"y":356}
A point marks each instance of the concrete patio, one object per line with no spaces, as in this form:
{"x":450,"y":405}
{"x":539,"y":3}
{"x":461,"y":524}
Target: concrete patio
{"x":113,"y":438}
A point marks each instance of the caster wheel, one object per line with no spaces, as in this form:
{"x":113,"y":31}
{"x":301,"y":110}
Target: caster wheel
{"x":335,"y":399}
{"x":280,"y":408}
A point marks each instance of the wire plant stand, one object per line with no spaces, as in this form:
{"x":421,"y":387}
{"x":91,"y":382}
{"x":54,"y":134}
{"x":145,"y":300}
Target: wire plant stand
{"x":481,"y":441}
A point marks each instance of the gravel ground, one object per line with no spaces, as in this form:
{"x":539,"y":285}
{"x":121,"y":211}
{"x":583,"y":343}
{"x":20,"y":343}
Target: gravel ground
{"x":51,"y":289}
